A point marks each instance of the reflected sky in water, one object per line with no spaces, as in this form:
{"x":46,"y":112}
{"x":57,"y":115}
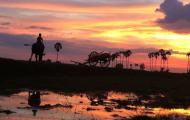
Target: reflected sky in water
{"x":88,"y":106}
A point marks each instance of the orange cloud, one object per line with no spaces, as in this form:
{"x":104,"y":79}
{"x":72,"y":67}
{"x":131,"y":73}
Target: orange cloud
{"x":122,"y":27}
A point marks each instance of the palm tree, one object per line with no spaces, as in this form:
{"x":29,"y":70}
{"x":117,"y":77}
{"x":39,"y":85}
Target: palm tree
{"x":188,"y":62}
{"x":121,"y":57}
{"x":164,"y":58}
{"x":114,"y":57}
{"x":156,"y":55}
{"x":162,"y":54}
{"x":142,"y":67}
{"x":57,"y":47}
{"x":151,"y":55}
{"x":136,"y":66}
{"x":127,"y":54}
{"x":168,"y":54}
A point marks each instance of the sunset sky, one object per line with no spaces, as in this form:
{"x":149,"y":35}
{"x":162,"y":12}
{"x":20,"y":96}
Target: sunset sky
{"x":103,"y":25}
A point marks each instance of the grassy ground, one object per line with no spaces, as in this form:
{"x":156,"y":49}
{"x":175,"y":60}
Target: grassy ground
{"x":65,"y":77}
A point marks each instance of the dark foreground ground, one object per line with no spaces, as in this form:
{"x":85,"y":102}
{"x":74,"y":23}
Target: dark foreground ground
{"x":71,"y":78}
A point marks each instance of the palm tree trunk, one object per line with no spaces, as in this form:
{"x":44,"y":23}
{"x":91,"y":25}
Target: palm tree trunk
{"x":127,"y":65}
{"x":112,"y":63}
{"x":156,"y":64}
{"x":160,"y":63}
{"x":150,"y":63}
{"x":126,"y":62}
{"x":121,"y":60}
{"x":188,"y":65}
{"x":116,"y":61}
{"x":57,"y":56}
{"x":164,"y":64}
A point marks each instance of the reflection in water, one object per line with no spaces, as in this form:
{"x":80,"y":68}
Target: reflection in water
{"x":88,"y":106}
{"x":97,"y":98}
{"x":34,"y":100}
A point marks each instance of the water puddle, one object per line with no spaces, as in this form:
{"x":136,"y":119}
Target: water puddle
{"x":46,"y":105}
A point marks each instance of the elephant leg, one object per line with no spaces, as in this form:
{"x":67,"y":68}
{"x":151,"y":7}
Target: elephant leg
{"x":30,"y":59}
{"x":36,"y":56}
{"x":40,"y":58}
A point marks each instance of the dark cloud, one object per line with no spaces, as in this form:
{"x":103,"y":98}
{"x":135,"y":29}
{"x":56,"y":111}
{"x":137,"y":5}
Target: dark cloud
{"x":178,"y":52}
{"x":77,"y":48}
{"x":15,"y":40}
{"x":177,"y":16}
{"x":5,"y":23}
{"x":2,"y":27}
{"x":87,"y":3}
{"x":39,"y":28}
{"x":4,"y":16}
{"x":71,"y":49}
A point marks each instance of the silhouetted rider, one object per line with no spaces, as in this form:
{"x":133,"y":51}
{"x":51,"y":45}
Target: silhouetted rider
{"x":40,"y":39}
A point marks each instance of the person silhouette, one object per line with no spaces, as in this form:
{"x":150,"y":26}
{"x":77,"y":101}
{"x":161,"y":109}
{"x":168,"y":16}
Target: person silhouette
{"x":39,"y":39}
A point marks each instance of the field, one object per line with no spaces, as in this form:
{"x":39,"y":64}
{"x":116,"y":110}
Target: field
{"x":169,"y":90}
{"x":67,"y":77}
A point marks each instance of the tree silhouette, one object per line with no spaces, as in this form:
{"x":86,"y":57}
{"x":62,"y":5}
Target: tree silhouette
{"x":142,"y":67}
{"x":121,"y":57}
{"x":164,"y":58}
{"x":156,"y":55}
{"x":162,"y":54}
{"x":114,"y":57}
{"x":168,"y":54}
{"x":127,"y":54}
{"x":151,"y":55}
{"x":57,"y":47}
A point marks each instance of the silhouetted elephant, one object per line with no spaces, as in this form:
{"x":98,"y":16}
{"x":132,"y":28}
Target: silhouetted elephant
{"x":38,"y":50}
{"x":34,"y":100}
